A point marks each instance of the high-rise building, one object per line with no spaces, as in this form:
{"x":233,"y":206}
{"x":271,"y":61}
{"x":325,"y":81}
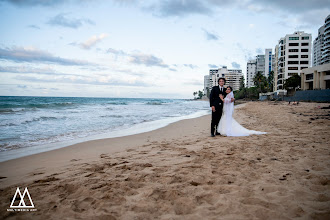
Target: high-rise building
{"x":318,"y":47}
{"x":260,"y":60}
{"x":326,"y":42}
{"x":269,"y":62}
{"x":251,"y":68}
{"x":232,"y":76}
{"x":275,"y":67}
{"x":294,"y":54}
{"x":264,"y":64}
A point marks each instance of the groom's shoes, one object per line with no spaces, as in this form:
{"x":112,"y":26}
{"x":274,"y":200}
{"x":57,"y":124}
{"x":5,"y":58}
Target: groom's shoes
{"x":217,"y":133}
{"x":212,"y":135}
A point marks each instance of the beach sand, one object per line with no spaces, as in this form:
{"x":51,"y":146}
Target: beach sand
{"x":180,"y":172}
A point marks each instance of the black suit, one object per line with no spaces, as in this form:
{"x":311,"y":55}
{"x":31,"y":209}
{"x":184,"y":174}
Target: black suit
{"x":218,"y":104}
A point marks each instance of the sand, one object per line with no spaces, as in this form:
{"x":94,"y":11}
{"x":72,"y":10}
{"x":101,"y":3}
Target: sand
{"x":179,"y":172}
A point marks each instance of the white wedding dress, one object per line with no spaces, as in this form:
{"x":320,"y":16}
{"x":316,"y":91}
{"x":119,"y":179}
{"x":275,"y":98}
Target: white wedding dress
{"x":228,"y":126}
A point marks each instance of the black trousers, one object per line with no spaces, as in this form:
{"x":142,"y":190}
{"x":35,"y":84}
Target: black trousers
{"x":216,"y":116}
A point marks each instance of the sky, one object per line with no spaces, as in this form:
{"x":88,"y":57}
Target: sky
{"x":136,"y":48}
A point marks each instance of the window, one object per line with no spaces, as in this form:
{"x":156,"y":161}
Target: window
{"x":293,"y":50}
{"x":293,"y":56}
{"x":293,"y":38}
{"x":303,"y":67}
{"x":293,"y":44}
{"x":304,"y":50}
{"x":309,"y":76}
{"x":304,"y":56}
{"x":303,"y":62}
{"x":290,"y":74}
{"x":293,"y":62}
{"x":305,"y":38}
{"x":304,"y":44}
{"x":292,"y":68}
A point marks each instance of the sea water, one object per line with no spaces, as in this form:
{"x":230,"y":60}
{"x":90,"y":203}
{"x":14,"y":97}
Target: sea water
{"x":30,"y":125}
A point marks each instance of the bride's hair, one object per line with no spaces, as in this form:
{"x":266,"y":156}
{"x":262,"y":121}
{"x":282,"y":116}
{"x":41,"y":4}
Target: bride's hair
{"x":231,"y":89}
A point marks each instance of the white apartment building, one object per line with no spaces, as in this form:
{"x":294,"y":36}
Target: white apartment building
{"x":232,"y":76}
{"x":294,"y":54}
{"x":251,"y":68}
{"x":264,"y":63}
{"x":326,"y":42}
{"x":318,"y":47}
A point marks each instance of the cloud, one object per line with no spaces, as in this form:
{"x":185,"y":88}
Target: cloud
{"x":92,"y":41}
{"x":35,"y":2}
{"x":190,"y":66}
{"x":106,"y":80}
{"x":235,"y":65}
{"x":34,"y":55}
{"x":33,"y":26}
{"x":141,"y":59}
{"x":210,"y":36}
{"x":116,"y":52}
{"x":63,"y":21}
{"x":247,"y":52}
{"x":259,"y":51}
{"x":147,"y":60}
{"x":32,"y":70}
{"x":213,"y":66}
{"x":179,"y":8}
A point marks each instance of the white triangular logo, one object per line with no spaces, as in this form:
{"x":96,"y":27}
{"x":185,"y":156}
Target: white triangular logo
{"x":21,"y":203}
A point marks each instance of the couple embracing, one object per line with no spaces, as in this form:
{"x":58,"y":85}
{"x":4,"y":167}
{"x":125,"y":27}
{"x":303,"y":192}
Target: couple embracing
{"x":222,"y":104}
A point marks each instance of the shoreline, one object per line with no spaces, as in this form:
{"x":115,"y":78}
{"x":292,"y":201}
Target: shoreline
{"x":135,"y":129}
{"x":56,"y":158}
{"x":179,"y":171}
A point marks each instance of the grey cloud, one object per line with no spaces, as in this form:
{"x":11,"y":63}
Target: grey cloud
{"x":247,"y":53}
{"x":82,"y":80}
{"x":35,"y":2}
{"x":236,"y":65}
{"x":116,"y":52}
{"x":141,"y":59}
{"x":147,"y":60}
{"x":34,"y":26}
{"x":172,"y":8}
{"x":33,"y":55}
{"x":63,"y":20}
{"x":210,"y":36}
{"x":31,"y":70}
{"x":190,"y":66}
{"x":213,"y":66}
{"x":259,"y":50}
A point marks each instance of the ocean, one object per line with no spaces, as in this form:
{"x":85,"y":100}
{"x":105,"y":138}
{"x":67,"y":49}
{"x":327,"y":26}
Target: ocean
{"x":30,"y":125}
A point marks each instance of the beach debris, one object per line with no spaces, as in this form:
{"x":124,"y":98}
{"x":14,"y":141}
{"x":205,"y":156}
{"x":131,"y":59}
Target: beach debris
{"x":194,"y":183}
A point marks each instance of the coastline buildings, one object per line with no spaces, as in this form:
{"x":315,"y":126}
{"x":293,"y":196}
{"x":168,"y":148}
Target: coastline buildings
{"x":251,"y":68}
{"x":293,"y":55}
{"x":232,"y":76}
{"x":318,"y":47}
{"x":321,"y":44}
{"x":316,"y":77}
{"x":264,"y":63}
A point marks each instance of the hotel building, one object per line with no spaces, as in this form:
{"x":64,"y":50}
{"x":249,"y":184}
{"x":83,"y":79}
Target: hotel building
{"x":293,"y":55}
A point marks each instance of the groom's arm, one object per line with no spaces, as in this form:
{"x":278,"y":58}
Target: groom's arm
{"x":211,"y":100}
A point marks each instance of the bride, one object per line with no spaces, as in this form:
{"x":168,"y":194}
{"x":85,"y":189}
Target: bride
{"x":228,"y":126}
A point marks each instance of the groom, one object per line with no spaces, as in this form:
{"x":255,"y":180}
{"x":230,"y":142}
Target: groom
{"x":216,"y":104}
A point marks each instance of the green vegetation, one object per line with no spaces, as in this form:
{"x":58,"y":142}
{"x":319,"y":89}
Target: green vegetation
{"x":199,"y":94}
{"x":262,"y":84}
